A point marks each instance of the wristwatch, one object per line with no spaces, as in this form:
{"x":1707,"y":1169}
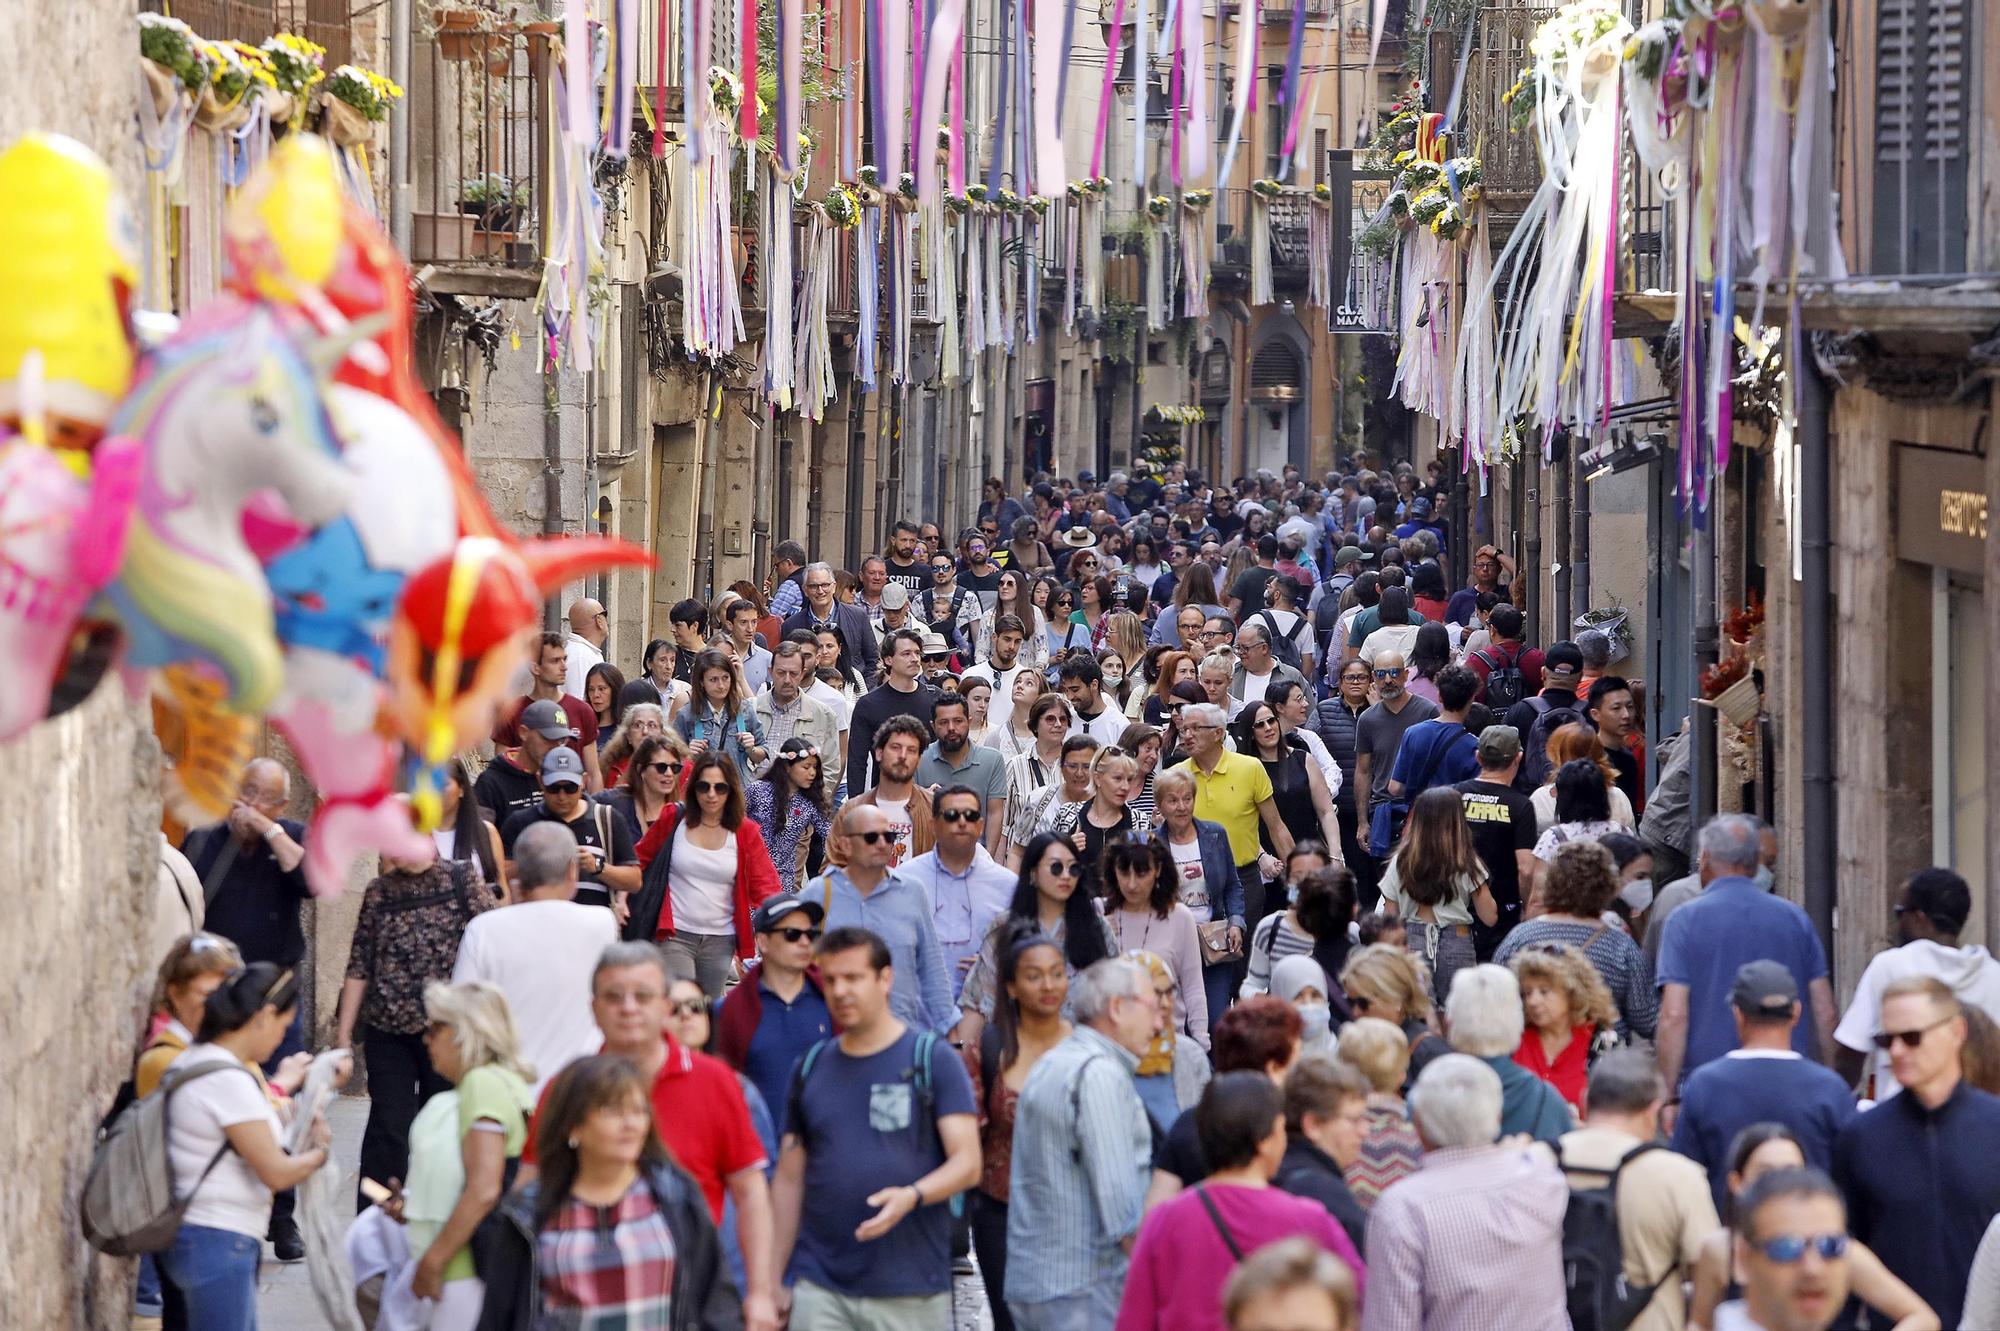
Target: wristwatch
{"x":273,"y":832}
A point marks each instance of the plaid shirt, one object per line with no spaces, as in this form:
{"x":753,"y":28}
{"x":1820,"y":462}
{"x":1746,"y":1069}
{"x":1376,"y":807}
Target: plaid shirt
{"x":609,"y":1269}
{"x":1472,"y":1240}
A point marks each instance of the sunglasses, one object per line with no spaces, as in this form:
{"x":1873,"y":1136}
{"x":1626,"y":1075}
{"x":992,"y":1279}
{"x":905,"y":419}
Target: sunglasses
{"x":711,"y":788}
{"x":794,"y":935}
{"x":665,"y":769}
{"x":1064,"y":868}
{"x":562,"y":788}
{"x":938,"y":660}
{"x":959,"y":815}
{"x":1913,"y":1039}
{"x":1359,"y":1004}
{"x":1387,"y":674}
{"x":688,"y":1007}
{"x":1786,"y":1249}
{"x":873,"y":838}
{"x":1263,"y":721}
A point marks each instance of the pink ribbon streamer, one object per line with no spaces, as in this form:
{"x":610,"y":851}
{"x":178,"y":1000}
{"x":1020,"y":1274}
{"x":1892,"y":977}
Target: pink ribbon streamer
{"x":1104,"y":97}
{"x":1051,"y":176}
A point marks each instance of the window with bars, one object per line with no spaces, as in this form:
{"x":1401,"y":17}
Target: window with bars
{"x":1921,"y":124}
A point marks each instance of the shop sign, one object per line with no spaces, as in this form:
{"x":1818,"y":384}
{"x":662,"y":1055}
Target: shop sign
{"x":1941,"y":508}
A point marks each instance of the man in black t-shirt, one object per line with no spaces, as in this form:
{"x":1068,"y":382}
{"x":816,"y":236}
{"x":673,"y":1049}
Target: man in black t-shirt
{"x":607,"y":862}
{"x":1611,"y":709}
{"x":904,"y":566}
{"x":1246,"y":594}
{"x":977,"y":572}
{"x":506,"y":788}
{"x":1502,"y":822}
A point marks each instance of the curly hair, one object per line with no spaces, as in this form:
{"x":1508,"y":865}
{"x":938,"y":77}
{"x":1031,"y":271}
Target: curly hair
{"x":1565,"y":968}
{"x":1582,"y":881}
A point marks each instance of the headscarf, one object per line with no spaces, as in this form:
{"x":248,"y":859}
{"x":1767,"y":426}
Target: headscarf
{"x":1295,"y":973}
{"x":1158,"y":1060}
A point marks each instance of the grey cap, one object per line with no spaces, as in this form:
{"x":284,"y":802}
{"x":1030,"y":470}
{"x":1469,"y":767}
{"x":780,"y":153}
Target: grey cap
{"x":562,"y":764}
{"x":1764,"y":988}
{"x":1351,"y":554}
{"x":545,"y":717}
{"x":1499,"y":745}
{"x":895,"y":596}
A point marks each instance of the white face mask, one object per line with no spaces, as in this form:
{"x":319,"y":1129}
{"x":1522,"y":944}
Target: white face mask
{"x":1637,"y":894}
{"x":1764,"y":878}
{"x":1318,"y":1019}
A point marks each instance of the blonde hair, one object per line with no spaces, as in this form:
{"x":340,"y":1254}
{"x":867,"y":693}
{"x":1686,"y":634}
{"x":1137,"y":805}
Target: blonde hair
{"x":1377,"y":1049}
{"x":1112,"y":753}
{"x":481,"y":1025}
{"x":191,"y":957}
{"x":1565,"y":968}
{"x":1394,"y":974}
{"x":1124,"y":633}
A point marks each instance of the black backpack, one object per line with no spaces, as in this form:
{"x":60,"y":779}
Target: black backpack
{"x":1285,"y":648}
{"x":1505,"y":684}
{"x":1600,"y":1298}
{"x":1535,"y":744}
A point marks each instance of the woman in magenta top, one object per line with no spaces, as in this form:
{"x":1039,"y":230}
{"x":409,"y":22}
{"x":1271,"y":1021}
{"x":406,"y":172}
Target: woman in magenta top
{"x":1190,"y":1244}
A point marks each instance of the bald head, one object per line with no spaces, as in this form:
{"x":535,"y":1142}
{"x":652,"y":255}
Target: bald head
{"x":588,"y":621}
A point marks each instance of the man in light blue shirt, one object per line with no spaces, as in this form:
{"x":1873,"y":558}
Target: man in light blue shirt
{"x":968,"y":888}
{"x":1082,"y":1158}
{"x":893,"y":908}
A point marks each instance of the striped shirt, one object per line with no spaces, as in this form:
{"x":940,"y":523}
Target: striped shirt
{"x":1082,"y":1158}
{"x":1274,"y":939}
{"x":607,"y":1268}
{"x":1390,"y":1152}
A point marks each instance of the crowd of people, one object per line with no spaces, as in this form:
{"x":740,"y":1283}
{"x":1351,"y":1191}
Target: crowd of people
{"x":1175,"y":902}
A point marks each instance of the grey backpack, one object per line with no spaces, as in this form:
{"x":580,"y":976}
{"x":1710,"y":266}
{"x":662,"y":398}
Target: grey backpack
{"x":129,"y":1205}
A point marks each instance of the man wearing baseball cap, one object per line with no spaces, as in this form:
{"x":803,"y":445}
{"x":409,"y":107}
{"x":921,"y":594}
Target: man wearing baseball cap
{"x":506,"y":786}
{"x":607,"y":865}
{"x":1764,"y":1080}
{"x":1562,"y":668}
{"x":1502,"y":822}
{"x":777,"y":1012}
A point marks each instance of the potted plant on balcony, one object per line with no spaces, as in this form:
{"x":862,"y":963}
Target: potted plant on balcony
{"x":297,"y":67}
{"x":494,"y":200}
{"x":227,"y":100}
{"x":354,"y":99}
{"x":1729,"y":688}
{"x":172,"y":60}
{"x":465,"y":34}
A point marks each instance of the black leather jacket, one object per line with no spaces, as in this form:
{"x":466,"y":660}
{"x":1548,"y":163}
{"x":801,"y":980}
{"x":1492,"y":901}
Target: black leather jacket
{"x":705,"y":1298}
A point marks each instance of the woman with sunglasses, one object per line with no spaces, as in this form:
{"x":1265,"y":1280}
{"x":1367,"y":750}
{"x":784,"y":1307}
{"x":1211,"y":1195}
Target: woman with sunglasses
{"x":1017,"y":597}
{"x":1039,"y":764}
{"x":721,"y":719}
{"x":1390,"y":982}
{"x":1065,"y":632}
{"x":1046,"y":897}
{"x":652,"y":783}
{"x":1028,"y":1021}
{"x":641,"y":720}
{"x":224,"y":1142}
{"x":1093,"y":607}
{"x":610,"y":1232}
{"x":1758,"y":1150}
{"x":792,"y":809}
{"x":1297,"y":786}
{"x":705,"y":868}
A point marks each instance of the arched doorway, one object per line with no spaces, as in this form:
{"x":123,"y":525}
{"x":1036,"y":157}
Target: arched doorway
{"x":1277,"y":406}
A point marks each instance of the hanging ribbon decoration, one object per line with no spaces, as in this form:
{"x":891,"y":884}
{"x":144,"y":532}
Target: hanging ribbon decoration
{"x":780,"y":359}
{"x":662,"y":22}
{"x":1142,"y":78}
{"x":1191,"y":69}
{"x":1246,"y":80}
{"x":1051,"y":169}
{"x":868,"y":278}
{"x":746,"y":111}
{"x":811,"y":341}
{"x":943,"y":52}
{"x":1117,"y":35}
{"x":623,"y":67}
{"x":1290,"y":104}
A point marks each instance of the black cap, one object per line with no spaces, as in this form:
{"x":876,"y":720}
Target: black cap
{"x":1764,"y":988}
{"x":1563,"y":656}
{"x":765,"y":918}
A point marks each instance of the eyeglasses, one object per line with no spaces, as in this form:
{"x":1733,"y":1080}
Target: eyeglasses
{"x":1064,"y":868}
{"x":1785,"y":1249}
{"x":1913,"y":1039}
{"x":874,"y":838}
{"x":1388,"y":674}
{"x":1077,"y":769}
{"x":794,"y":935}
{"x":960,"y":815}
{"x":640,"y":997}
{"x":942,"y":659}
{"x":562,"y":788}
{"x":666,"y":769}
{"x":688,"y":1007}
{"x":711,"y":787}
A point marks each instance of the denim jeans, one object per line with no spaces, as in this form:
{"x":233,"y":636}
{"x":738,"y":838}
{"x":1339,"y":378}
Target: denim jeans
{"x":146,"y":1301}
{"x":1093,"y":1309}
{"x":209,"y":1278}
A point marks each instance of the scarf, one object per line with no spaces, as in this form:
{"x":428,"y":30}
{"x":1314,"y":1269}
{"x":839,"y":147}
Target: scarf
{"x":1158,"y":1060}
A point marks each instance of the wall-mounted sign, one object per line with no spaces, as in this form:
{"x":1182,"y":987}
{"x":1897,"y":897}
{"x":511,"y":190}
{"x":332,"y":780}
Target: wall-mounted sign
{"x":1941,"y":508}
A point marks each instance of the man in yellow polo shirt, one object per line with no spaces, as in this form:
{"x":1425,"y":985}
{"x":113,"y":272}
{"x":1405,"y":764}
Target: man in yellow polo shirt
{"x":1234,"y":789}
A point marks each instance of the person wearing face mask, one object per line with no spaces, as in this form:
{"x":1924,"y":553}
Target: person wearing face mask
{"x":1302,"y":982}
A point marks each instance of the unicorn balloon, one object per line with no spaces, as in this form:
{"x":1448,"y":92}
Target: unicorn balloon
{"x":228,"y":407}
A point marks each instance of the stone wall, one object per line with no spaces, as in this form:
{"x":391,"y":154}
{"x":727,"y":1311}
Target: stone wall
{"x":78,"y":823}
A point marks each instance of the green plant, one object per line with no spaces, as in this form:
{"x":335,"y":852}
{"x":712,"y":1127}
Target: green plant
{"x":364,"y":90}
{"x":172,"y":45}
{"x":297,"y":65}
{"x":493,"y":188}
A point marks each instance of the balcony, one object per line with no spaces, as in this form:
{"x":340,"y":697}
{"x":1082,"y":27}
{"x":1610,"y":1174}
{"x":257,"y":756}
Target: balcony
{"x":478,"y":146}
{"x":1290,"y":224}
{"x":1512,"y":170}
{"x":1281,"y":11}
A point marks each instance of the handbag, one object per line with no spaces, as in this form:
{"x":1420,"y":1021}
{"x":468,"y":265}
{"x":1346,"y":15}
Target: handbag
{"x":1215,"y":945}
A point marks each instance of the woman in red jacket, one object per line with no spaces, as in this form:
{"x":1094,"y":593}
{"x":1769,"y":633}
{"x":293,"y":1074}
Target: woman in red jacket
{"x":705,"y":870}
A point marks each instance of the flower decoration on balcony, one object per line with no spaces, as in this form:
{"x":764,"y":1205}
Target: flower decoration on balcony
{"x":1731,"y":669}
{"x":841,"y":207}
{"x":1449,"y":223}
{"x":1419,"y":176}
{"x":1159,"y":207}
{"x":870,"y":175}
{"x":364,"y":90}
{"x":1199,"y":200}
{"x":1073,"y":191}
{"x":958,"y":205}
{"x":1743,"y":625}
{"x":1465,"y":175}
{"x":906,"y":185}
{"x":1266,"y":188}
{"x":297,"y":65}
{"x":1010,"y":202}
{"x":1399,"y":205}
{"x":1427,"y":207}
{"x":173,"y":46}
{"x":1177,"y":413}
{"x":238,"y":68}
{"x":725,"y":90}
{"x":1039,"y":206}
{"x":1322,"y":193}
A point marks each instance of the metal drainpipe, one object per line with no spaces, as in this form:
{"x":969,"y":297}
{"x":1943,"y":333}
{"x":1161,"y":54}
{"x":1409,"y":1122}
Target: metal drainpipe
{"x":1531,"y":518}
{"x":1565,"y":575}
{"x":1580,"y":538}
{"x":401,"y":20}
{"x":552,"y":467}
{"x":1821,"y":828}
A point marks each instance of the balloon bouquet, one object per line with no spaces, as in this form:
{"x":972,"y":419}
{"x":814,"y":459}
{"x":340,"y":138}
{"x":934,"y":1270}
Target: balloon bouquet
{"x":260,"y":516}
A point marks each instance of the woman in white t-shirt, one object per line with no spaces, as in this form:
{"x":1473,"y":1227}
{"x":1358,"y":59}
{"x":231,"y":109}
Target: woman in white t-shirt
{"x":223,"y":1142}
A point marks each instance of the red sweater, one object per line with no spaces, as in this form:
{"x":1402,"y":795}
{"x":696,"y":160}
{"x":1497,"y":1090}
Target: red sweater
{"x":1570,"y":1073}
{"x":756,"y":876}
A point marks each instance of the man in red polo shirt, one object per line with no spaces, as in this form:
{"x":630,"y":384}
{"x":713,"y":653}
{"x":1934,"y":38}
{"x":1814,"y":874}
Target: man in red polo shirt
{"x":698,"y":1108}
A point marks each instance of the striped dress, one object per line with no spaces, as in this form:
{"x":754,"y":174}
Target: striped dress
{"x":1390,"y":1151}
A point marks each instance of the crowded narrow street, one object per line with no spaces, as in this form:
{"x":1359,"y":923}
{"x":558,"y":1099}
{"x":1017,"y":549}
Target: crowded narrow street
{"x":822,"y":665}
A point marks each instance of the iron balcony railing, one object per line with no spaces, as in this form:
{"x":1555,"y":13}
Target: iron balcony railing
{"x":478,"y":136}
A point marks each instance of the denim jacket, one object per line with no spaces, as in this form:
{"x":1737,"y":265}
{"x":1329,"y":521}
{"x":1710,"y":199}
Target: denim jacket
{"x":702,"y":720}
